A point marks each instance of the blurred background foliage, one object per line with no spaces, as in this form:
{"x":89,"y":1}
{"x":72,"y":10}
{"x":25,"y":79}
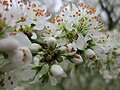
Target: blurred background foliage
{"x":84,"y":78}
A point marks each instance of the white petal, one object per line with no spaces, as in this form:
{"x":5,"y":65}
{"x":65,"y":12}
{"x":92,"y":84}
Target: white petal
{"x":27,"y":74}
{"x":69,"y":25}
{"x":8,"y":44}
{"x":61,"y":42}
{"x":22,"y":39}
{"x":10,"y":81}
{"x":34,"y":36}
{"x":39,"y":26}
{"x":37,"y":3}
{"x":80,"y":42}
{"x":100,"y":52}
{"x":75,"y":7}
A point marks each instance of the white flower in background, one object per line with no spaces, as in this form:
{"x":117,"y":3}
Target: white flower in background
{"x":95,"y":35}
{"x":100,"y":52}
{"x":37,"y":15}
{"x":52,"y":31}
{"x":106,"y":75}
{"x":82,"y":16}
{"x":113,"y":40}
{"x":25,"y":15}
{"x":79,"y":23}
{"x":15,"y":11}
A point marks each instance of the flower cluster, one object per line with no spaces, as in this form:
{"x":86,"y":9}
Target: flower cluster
{"x":35,"y":48}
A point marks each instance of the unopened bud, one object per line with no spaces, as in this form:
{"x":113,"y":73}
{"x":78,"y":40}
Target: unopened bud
{"x":41,"y":53}
{"x":57,"y":70}
{"x":71,"y":50}
{"x":60,"y":59}
{"x":63,"y":49}
{"x":35,"y":48}
{"x":77,"y":59}
{"x":89,"y":53}
{"x":51,"y":42}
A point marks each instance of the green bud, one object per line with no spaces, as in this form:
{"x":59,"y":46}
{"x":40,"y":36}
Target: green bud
{"x":59,"y":59}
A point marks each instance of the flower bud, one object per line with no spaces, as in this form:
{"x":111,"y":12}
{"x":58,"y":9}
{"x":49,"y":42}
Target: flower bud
{"x":59,"y":59}
{"x":89,"y":53}
{"x":35,"y":48}
{"x":63,"y":49}
{"x":27,"y":59}
{"x":36,"y":60}
{"x":77,"y":59}
{"x":57,"y":70}
{"x":51,"y":42}
{"x":41,"y":53}
{"x":8,"y":44}
{"x":71,"y":50}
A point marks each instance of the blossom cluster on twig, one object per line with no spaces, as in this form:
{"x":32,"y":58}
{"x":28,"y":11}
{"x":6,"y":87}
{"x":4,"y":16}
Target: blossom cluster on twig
{"x":35,"y":48}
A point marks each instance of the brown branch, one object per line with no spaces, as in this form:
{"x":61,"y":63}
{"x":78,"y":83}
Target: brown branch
{"x":111,"y":23}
